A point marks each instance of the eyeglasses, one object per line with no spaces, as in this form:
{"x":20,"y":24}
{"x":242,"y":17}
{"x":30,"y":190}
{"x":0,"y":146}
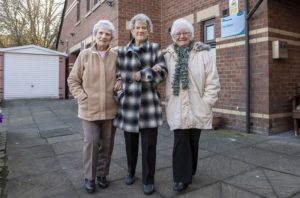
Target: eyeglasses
{"x":185,"y":34}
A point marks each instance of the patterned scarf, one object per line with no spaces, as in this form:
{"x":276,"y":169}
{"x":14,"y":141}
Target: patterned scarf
{"x":181,"y":68}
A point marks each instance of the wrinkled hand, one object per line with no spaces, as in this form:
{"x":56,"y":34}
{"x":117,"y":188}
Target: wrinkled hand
{"x":137,"y":76}
{"x":118,"y":85}
{"x":156,"y":68}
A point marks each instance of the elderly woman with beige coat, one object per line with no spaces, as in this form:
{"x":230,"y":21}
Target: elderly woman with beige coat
{"x":92,"y":81}
{"x":191,"y":90}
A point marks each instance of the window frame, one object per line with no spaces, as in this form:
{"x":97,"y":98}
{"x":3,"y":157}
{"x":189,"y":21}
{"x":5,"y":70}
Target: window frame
{"x":89,"y":5}
{"x":206,"y":24}
{"x":78,"y":10}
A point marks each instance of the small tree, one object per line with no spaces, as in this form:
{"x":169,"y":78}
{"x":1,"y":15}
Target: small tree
{"x":30,"y":22}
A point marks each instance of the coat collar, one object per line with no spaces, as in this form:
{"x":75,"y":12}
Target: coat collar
{"x":198,"y":46}
{"x":144,"y":47}
{"x":94,"y":50}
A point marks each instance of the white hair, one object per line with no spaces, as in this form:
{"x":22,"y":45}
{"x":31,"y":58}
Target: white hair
{"x":104,"y":24}
{"x":182,"y":23}
{"x":141,"y":17}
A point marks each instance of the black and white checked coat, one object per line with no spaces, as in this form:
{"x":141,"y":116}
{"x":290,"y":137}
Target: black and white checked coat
{"x":139,"y":103}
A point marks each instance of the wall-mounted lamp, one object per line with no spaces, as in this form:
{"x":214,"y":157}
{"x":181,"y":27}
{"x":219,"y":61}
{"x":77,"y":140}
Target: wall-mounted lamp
{"x":109,"y":2}
{"x":72,"y":34}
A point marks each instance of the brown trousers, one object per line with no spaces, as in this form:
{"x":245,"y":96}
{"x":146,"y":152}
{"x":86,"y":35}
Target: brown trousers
{"x":98,"y":145}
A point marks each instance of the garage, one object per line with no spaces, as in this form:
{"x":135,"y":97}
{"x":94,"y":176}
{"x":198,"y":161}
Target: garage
{"x":32,"y":72}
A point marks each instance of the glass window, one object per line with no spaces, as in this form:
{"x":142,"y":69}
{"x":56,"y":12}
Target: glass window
{"x":209,"y":32}
{"x":89,"y":5}
{"x":78,"y":10}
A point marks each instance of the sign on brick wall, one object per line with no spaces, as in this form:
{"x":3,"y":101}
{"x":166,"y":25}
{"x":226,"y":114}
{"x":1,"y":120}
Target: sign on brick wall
{"x":233,"y":25}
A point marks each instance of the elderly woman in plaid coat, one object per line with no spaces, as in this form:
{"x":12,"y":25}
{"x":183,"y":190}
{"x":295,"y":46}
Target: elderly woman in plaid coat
{"x":140,"y":67}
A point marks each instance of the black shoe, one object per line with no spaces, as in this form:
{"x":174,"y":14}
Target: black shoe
{"x":89,"y":185}
{"x":129,"y":180}
{"x":102,"y":182}
{"x":179,"y":186}
{"x":148,"y":189}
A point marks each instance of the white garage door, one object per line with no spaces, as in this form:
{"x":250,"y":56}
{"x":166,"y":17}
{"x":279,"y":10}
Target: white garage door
{"x":30,"y":76}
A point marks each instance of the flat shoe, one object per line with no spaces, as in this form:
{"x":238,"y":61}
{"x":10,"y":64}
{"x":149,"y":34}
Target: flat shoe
{"x":90,"y":186}
{"x":148,"y":189}
{"x":129,"y":180}
{"x":102,"y":182}
{"x":179,"y":186}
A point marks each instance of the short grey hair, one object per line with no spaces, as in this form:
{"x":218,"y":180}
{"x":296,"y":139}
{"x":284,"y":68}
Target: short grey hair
{"x":141,"y":17}
{"x":182,"y":23}
{"x":104,"y":24}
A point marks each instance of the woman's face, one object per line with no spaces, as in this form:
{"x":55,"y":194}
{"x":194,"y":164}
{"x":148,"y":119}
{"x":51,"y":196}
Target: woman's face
{"x":182,"y":37}
{"x":140,"y":32}
{"x":103,"y":38}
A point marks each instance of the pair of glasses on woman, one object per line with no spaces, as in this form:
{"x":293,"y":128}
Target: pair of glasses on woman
{"x":185,"y":34}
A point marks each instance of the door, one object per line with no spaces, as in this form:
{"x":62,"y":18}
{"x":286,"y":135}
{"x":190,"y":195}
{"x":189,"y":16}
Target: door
{"x":30,"y":76}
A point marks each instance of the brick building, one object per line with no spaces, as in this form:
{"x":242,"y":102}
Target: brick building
{"x":272,"y":81}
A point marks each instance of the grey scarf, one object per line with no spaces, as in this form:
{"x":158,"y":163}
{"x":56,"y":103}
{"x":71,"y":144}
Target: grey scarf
{"x":181,"y":68}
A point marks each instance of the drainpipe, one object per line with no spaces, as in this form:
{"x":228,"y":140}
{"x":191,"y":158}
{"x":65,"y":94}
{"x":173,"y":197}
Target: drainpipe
{"x":247,"y":59}
{"x":247,"y":63}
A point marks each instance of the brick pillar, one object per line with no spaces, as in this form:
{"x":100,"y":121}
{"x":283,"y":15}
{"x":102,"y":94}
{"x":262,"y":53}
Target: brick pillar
{"x":62,"y":77}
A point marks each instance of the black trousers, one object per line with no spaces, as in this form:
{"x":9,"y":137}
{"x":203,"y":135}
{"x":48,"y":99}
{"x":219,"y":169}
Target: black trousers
{"x":185,"y":154}
{"x":149,"y":142}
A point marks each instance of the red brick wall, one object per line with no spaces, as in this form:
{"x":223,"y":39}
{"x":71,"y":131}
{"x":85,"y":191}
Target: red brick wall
{"x":284,"y":73}
{"x":129,"y":8}
{"x":85,"y":28}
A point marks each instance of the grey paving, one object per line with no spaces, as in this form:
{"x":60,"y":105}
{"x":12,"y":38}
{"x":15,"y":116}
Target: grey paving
{"x":44,"y":159}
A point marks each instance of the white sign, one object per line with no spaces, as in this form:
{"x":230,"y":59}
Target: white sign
{"x":233,"y":25}
{"x":233,"y":7}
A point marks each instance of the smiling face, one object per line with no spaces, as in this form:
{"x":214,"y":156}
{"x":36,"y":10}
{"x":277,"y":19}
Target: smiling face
{"x":182,"y":37}
{"x":103,"y":39}
{"x":140,"y":32}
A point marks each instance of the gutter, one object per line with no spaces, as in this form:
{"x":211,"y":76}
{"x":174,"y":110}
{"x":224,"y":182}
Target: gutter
{"x":61,"y":24}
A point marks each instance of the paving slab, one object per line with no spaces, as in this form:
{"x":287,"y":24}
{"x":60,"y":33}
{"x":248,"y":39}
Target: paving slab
{"x":253,"y":155}
{"x":254,"y":181}
{"x":67,"y":147}
{"x":64,"y":138}
{"x":70,"y":160}
{"x":44,"y":185}
{"x":219,"y":146}
{"x":33,"y":152}
{"x":281,"y":146}
{"x":286,"y":164}
{"x":220,"y":167}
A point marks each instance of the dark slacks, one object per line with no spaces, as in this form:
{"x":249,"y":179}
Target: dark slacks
{"x":149,"y":141}
{"x":185,"y":154}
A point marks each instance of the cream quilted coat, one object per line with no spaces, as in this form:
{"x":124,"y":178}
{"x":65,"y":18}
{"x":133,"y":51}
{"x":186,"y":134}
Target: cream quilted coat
{"x":192,"y":108}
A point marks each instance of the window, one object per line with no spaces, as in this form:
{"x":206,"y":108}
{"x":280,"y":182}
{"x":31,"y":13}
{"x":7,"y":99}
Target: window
{"x":89,"y":5}
{"x":209,"y":32}
{"x":209,"y":37}
{"x":78,"y":10}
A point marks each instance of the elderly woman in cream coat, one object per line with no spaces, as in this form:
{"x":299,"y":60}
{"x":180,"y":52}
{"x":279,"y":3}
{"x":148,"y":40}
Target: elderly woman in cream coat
{"x":191,"y":90}
{"x":91,"y":82}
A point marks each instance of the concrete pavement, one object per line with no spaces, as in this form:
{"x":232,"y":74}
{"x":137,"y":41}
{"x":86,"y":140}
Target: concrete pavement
{"x":44,"y":159}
